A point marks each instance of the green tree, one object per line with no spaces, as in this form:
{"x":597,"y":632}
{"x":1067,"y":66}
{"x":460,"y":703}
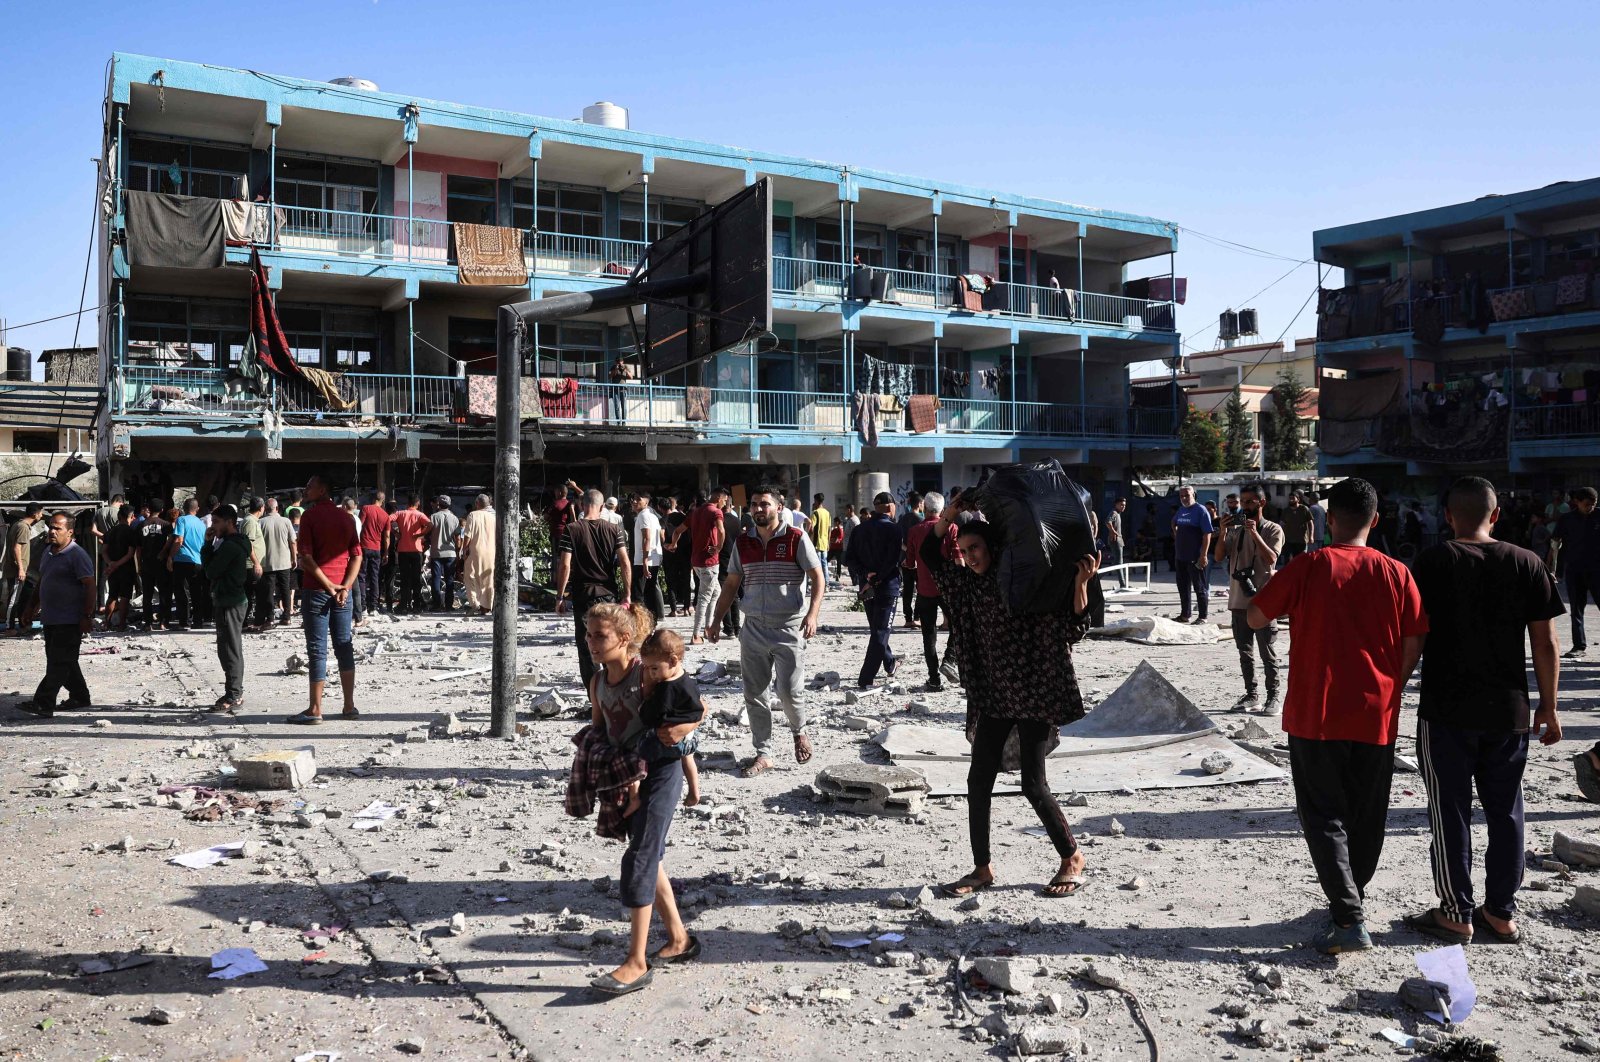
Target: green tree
{"x":1237,"y":434}
{"x":1200,"y":443}
{"x":1285,"y":443}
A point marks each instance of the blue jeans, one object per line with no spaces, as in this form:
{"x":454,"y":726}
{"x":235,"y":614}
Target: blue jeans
{"x":322,"y":618}
{"x":880,"y":621}
{"x":444,"y":582}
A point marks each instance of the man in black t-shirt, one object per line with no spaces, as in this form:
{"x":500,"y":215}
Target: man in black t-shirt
{"x":592,"y":553}
{"x":155,"y":582}
{"x":1482,"y":597}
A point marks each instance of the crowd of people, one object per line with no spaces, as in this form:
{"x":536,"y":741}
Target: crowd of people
{"x":1464,"y":607}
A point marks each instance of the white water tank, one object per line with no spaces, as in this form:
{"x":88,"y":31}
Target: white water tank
{"x":866,"y":486}
{"x":356,"y":83}
{"x":606,"y":114}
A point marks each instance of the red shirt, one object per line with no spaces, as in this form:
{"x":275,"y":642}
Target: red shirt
{"x":926,"y":586}
{"x":328,"y":537}
{"x":411,"y":529}
{"x":704,"y":548}
{"x":1350,"y":609}
{"x":374,"y":522}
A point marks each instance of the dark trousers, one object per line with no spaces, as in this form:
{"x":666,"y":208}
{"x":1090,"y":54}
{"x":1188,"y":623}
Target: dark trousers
{"x":371,"y":578}
{"x":880,"y":623}
{"x":988,"y":748}
{"x":410,"y":582}
{"x":230,"y":647}
{"x":61,"y":642}
{"x":647,"y":590}
{"x":157,"y":583}
{"x":1341,"y":793}
{"x":1453,"y":760}
{"x":928,"y":609}
{"x":190,"y":592}
{"x":1192,"y":583}
{"x":272,"y":590}
{"x":1582,"y":587}
{"x":389,"y":576}
{"x":580,"y":613}
{"x":733,"y":621}
{"x":908,"y":594}
{"x":442,"y":571}
{"x":1250,"y":642}
{"x":9,"y":588}
{"x":19,"y":608}
{"x":679,"y":594}
{"x":1290,"y":552}
{"x":252,"y":590}
{"x":659,"y":794}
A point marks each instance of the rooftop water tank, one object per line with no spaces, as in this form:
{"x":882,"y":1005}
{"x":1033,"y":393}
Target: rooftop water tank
{"x":606,"y":114}
{"x":19,"y":363}
{"x":356,"y":83}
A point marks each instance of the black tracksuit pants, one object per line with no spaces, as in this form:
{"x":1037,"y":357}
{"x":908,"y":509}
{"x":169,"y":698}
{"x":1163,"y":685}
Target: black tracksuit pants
{"x":988,"y":749}
{"x":1341,"y":793}
{"x":1453,"y":760}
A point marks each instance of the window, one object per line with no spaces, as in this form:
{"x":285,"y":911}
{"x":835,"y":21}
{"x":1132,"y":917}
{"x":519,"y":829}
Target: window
{"x":472,"y":341}
{"x":567,"y":211}
{"x":1372,"y":274}
{"x":869,"y":246}
{"x":914,"y":253}
{"x":327,"y":184}
{"x":1574,"y":246}
{"x":183,"y":167}
{"x":666,"y":215}
{"x":782,"y":237}
{"x":470,"y":200}
{"x":177,"y":333}
{"x":830,"y":371}
{"x":830,"y":245}
{"x":1013,"y":265}
{"x":334,"y":338}
{"x":574,"y":349}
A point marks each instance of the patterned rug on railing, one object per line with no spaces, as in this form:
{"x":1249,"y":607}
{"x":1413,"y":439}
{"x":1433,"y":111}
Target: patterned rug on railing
{"x":1462,"y":434}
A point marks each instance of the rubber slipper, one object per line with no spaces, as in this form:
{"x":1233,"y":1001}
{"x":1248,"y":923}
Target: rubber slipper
{"x":1427,"y":923}
{"x":302,"y":719}
{"x":1077,"y":881}
{"x":350,"y":715}
{"x":613,"y":987}
{"x":689,"y":954}
{"x":961,"y":888}
{"x":1483,"y":925}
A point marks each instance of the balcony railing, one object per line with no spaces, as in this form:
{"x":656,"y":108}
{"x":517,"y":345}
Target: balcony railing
{"x":1567,"y":421}
{"x":554,"y":252}
{"x":203,"y":393}
{"x":345,"y":234}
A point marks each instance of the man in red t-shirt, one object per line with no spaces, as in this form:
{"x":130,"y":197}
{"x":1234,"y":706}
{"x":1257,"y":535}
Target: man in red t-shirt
{"x":928,"y":603}
{"x":375,"y":529}
{"x":330,"y":564}
{"x":705,"y":559}
{"x":1357,"y":627}
{"x":410,"y":528}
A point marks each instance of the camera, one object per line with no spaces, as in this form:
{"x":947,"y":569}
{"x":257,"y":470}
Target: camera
{"x":1246,"y":578}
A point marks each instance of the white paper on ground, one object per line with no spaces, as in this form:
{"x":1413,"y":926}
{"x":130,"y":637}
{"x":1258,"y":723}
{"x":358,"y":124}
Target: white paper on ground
{"x":318,"y":1056}
{"x":230,"y":963}
{"x":207,"y":857}
{"x":1394,"y":1036}
{"x":1449,"y":966}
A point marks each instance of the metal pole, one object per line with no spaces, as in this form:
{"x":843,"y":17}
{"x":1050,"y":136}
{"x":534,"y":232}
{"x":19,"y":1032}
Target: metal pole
{"x":1079,"y":300}
{"x":411,"y":199}
{"x":272,"y":188}
{"x":508,"y":503}
{"x":645,"y":177}
{"x":411,"y":350}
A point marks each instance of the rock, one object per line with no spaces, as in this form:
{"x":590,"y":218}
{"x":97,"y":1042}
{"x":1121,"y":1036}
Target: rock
{"x":861,"y":722}
{"x":294,"y":665}
{"x":1217,"y":763}
{"x":850,"y":697}
{"x":896,"y":900}
{"x":1262,"y":974}
{"x":1043,"y":1039}
{"x":446,"y":724}
{"x":971,"y":903}
{"x":62,"y":785}
{"x":1253,"y":731}
{"x":899,"y":958}
{"x":1259,"y":1031}
{"x":1133,"y":884}
{"x":924,"y":897}
{"x":163,"y":1016}
{"x":414,"y":737}
{"x":1116,"y":829}
{"x":412,"y":1045}
{"x":791,"y":930}
{"x":838,"y":995}
{"x":1006,"y":974}
{"x":874,"y":789}
{"x":1236,"y":1008}
{"x":1586,"y":899}
{"x":458,"y":924}
{"x":1076,"y":800}
{"x":548,"y":705}
{"x":1104,"y":976}
{"x":1576,"y":851}
{"x":101,"y":724}
{"x":794,"y":992}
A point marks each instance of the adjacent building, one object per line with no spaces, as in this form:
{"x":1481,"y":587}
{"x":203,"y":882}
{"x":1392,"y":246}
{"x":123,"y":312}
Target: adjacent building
{"x":1209,"y":379}
{"x":1019,"y":315}
{"x":1468,"y":339}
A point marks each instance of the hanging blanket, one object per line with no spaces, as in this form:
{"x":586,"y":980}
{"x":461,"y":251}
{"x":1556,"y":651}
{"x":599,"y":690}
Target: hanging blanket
{"x":924,"y":413}
{"x":1336,"y":437}
{"x":271,"y":347}
{"x":697,"y":403}
{"x":1572,"y":290}
{"x":245,"y":223}
{"x":480,"y":395}
{"x":1511,"y":303}
{"x":488,"y":254}
{"x":529,"y":406}
{"x":1361,"y":399}
{"x":176,"y":231}
{"x":558,"y":398}
{"x":867,"y":418}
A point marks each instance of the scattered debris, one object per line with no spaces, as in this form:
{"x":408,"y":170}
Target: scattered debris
{"x":1576,"y":851}
{"x":1216,"y":763}
{"x":874,"y":789}
{"x":282,"y":769}
{"x":231,"y":963}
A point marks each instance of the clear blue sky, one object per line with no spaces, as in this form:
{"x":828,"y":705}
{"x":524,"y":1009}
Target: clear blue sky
{"x":1253,"y":122}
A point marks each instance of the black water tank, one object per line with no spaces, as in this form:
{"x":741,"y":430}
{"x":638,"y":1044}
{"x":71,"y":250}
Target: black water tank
{"x":1247,"y":323}
{"x":19,"y":363}
{"x":1228,"y":324}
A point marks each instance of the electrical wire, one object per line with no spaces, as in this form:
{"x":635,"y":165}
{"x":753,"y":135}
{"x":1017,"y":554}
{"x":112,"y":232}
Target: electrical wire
{"x":1242,"y":247}
{"x":83,"y":297}
{"x":60,"y":316}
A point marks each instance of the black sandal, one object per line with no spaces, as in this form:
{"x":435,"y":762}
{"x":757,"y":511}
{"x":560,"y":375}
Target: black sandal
{"x":1483,"y":925}
{"x":1074,"y":884}
{"x":961,"y":888}
{"x":1427,"y":923}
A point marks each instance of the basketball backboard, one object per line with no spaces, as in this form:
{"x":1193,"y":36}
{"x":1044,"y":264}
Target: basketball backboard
{"x":731,"y":245}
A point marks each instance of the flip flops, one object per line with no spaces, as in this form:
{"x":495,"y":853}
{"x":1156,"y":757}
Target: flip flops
{"x":1077,"y":882}
{"x":610,"y":986}
{"x":304,"y":719}
{"x":1484,"y":926}
{"x":755,"y":767}
{"x":1427,"y":923}
{"x":961,"y":888}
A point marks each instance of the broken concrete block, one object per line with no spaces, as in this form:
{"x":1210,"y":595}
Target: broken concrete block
{"x":446,"y":724}
{"x":62,"y":785}
{"x":548,"y":705}
{"x":874,"y":789}
{"x":861,"y":722}
{"x":282,"y":769}
{"x":294,"y":665}
{"x":1576,"y":851}
{"x":163,"y":1016}
{"x":1042,"y":1039}
{"x":1216,"y":763}
{"x":1116,"y":829}
{"x":1006,"y":974}
{"x":458,"y":924}
{"x":1586,"y":899}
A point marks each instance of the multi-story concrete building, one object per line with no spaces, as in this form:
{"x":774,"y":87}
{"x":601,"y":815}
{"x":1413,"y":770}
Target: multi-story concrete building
{"x":350,"y":196}
{"x":1468,"y":339}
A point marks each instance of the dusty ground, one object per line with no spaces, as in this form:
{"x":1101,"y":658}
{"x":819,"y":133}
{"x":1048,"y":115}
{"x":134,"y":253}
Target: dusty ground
{"x":1226,"y":883}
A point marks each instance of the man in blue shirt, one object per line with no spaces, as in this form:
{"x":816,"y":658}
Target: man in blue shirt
{"x":873,"y":558}
{"x":183,"y":561}
{"x":66,"y":606}
{"x":1191,"y":542}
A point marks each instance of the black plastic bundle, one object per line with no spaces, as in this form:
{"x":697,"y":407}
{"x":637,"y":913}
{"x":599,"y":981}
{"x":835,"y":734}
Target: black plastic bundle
{"x":1043,"y":520}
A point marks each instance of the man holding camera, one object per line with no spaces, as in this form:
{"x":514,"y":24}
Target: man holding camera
{"x":1249,"y":544}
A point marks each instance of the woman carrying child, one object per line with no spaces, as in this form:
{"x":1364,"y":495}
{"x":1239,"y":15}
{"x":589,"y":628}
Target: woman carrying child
{"x":618,"y":693}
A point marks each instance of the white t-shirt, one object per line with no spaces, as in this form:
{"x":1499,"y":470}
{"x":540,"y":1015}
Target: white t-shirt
{"x":647,"y":519}
{"x":611,"y":516}
{"x":797,"y":519}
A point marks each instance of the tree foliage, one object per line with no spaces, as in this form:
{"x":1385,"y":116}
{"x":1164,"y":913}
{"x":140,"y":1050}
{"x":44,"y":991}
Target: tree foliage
{"x":1286,"y":445}
{"x":1237,"y":434}
{"x":1200,"y":443}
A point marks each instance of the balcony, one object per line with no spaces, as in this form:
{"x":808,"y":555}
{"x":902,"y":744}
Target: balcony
{"x":187,"y":394}
{"x":1574,"y":420}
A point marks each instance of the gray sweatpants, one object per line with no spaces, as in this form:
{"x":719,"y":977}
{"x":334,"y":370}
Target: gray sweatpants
{"x":773,"y":659}
{"x":708,"y":588}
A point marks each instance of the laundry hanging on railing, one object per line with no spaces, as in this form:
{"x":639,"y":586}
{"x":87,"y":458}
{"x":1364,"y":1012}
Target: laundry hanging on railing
{"x":697,"y":403}
{"x":867,"y":418}
{"x":244,"y":223}
{"x":954,"y":384}
{"x":1169,"y":289}
{"x":272,"y":347}
{"x":887,"y":378}
{"x":174,"y":231}
{"x":559,"y":397}
{"x":924,"y":413}
{"x":489,"y":254}
{"x":482,"y":397}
